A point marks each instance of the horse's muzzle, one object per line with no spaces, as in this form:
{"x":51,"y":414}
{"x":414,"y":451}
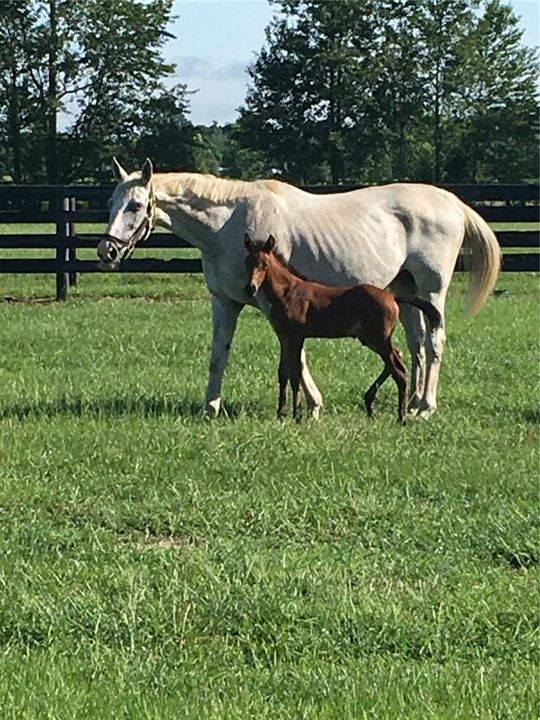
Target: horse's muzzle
{"x":107,"y":251}
{"x":251,"y":289}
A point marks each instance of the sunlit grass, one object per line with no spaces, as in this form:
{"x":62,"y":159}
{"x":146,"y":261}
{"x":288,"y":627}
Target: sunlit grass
{"x":157,"y":565}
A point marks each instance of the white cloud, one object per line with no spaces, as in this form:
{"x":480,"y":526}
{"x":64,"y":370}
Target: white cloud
{"x":220,"y":88}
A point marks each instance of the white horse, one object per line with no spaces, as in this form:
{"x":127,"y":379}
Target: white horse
{"x":407,"y":236}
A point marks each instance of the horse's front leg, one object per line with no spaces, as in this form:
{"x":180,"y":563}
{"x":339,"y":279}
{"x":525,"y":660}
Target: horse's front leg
{"x":224,"y":317}
{"x":312,"y":393}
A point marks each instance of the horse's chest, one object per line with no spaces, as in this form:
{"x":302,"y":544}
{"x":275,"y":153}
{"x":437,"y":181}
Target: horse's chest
{"x":225,"y":276}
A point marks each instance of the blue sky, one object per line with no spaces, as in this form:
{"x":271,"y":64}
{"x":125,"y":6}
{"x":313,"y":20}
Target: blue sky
{"x":217,"y":39}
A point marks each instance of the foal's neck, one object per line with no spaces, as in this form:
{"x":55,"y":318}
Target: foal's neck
{"x":279,"y":278}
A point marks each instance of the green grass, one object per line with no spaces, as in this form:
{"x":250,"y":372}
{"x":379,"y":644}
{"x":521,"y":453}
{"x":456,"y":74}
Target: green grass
{"x":157,"y":565}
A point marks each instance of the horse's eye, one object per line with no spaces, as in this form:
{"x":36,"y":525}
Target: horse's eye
{"x":134,"y":206}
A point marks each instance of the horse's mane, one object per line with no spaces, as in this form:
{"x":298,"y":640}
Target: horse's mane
{"x":211,"y":188}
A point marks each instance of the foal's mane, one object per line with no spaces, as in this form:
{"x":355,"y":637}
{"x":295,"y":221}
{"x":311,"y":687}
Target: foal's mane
{"x":214,"y":189}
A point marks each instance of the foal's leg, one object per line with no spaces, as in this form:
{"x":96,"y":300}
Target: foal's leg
{"x":399,"y":373}
{"x":369,"y":396}
{"x":224,"y":317}
{"x":283,"y":378}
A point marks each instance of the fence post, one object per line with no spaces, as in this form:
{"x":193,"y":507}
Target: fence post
{"x":72,"y":252}
{"x":62,"y":255}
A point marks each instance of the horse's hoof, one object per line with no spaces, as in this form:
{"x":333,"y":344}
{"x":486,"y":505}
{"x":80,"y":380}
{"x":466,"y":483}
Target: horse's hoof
{"x":211,"y":411}
{"x":315,"y":412}
{"x":425,"y":413}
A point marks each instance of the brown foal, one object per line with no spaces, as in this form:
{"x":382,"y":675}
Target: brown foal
{"x":300,"y":309}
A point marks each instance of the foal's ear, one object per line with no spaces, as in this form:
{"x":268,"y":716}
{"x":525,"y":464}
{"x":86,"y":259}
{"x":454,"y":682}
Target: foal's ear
{"x":270,"y":244}
{"x":248,"y":242}
{"x":146,"y":171}
{"x":118,"y":171}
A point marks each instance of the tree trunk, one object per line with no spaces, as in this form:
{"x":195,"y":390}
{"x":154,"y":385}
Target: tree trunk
{"x":51,"y":157}
{"x":15,"y":129}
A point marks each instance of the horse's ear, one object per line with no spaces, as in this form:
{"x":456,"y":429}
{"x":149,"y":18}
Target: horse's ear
{"x":248,"y":242}
{"x":146,"y":171}
{"x":270,"y":244}
{"x":118,"y":171}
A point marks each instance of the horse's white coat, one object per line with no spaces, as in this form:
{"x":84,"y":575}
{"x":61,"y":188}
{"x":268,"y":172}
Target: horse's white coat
{"x":405,"y":235}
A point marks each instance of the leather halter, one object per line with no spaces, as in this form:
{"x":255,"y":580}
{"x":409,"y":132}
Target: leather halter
{"x":146,"y":225}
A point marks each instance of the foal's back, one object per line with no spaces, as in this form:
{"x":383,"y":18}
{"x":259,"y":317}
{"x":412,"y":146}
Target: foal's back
{"x":322,"y":311}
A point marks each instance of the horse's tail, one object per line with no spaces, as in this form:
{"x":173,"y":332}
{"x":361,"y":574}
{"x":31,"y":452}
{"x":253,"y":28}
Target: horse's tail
{"x":431,"y":312}
{"x":482,"y":257}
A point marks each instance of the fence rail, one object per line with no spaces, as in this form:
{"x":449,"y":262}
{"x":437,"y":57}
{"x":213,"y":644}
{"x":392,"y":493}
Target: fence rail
{"x":64,"y":206}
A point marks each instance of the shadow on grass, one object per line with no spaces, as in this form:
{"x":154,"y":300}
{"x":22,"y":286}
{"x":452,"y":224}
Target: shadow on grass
{"x":532,"y":416}
{"x":106,"y":407}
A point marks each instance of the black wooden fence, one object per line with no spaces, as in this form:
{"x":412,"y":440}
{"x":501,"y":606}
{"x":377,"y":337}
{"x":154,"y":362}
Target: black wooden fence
{"x":64,"y":206}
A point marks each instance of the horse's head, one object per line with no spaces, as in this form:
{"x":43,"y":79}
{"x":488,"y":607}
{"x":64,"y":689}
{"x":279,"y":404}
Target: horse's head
{"x":257,"y":262}
{"x":131,"y":217}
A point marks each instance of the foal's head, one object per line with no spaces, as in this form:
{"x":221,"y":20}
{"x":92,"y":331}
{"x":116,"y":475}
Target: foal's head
{"x":257,"y":262}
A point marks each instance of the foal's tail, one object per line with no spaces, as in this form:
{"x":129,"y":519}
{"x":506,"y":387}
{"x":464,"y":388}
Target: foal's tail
{"x":431,"y":312}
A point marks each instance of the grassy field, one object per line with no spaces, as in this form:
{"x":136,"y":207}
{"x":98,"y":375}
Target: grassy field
{"x":158,"y":565}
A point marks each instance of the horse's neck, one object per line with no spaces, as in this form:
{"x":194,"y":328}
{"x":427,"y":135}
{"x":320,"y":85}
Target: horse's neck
{"x":196,"y":220}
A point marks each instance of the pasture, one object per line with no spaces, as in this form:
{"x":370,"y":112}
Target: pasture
{"x":158,"y":565}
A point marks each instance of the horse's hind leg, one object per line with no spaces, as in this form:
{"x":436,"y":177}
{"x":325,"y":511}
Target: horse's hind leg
{"x":415,"y":332}
{"x":370,"y":394}
{"x":311,"y":391}
{"x":435,"y":342}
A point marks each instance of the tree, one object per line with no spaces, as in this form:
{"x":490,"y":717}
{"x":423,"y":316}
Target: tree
{"x":393,"y":89}
{"x":18,"y":109}
{"x":95,"y":61}
{"x":496,"y":104}
{"x":310,"y":88}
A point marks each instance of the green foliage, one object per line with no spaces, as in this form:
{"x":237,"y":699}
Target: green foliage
{"x":430,"y":90}
{"x":342,"y":91}
{"x":99,"y":61}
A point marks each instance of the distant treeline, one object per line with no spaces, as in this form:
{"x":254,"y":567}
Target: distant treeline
{"x":341,"y":91}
